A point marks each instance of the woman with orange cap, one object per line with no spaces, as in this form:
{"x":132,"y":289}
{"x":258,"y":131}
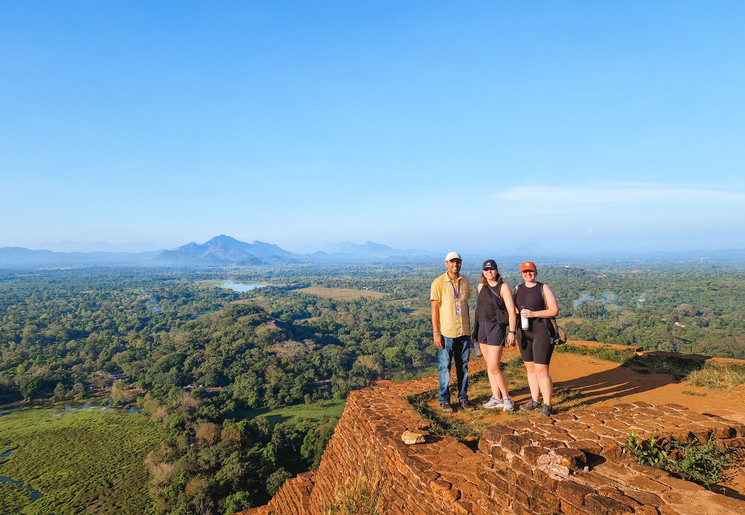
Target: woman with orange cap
{"x":535,"y":303}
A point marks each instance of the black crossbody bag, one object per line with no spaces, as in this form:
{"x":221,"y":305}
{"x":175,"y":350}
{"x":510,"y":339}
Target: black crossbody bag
{"x":503,"y":318}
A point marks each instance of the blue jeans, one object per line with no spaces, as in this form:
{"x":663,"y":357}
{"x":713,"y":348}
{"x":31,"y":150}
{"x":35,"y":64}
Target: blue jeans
{"x":460,"y":349}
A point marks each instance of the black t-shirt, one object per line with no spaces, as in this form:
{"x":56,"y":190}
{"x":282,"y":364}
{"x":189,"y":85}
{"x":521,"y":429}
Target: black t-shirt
{"x":530,"y":298}
{"x":489,"y":302}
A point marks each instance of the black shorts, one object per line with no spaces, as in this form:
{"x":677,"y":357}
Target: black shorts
{"x":535,"y":343}
{"x":491,"y":334}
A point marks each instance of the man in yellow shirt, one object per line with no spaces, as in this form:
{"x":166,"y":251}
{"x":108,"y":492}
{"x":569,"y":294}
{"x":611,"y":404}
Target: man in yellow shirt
{"x":451,"y":329}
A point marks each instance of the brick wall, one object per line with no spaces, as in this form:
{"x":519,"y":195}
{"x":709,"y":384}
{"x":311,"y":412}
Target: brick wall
{"x":568,"y":463}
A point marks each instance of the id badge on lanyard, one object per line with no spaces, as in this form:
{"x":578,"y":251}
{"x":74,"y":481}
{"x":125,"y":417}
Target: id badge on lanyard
{"x":457,"y":299}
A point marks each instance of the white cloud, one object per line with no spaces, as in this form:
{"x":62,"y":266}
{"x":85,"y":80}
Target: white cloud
{"x":619,"y":194}
{"x":623,"y":215}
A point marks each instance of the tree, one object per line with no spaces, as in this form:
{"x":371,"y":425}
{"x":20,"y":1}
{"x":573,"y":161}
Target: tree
{"x":208,"y":434}
{"x":60,"y":392}
{"x":118,"y":394}
{"x":276,"y":480}
{"x":394,"y":357}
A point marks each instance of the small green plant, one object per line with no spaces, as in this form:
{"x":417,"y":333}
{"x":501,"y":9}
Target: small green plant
{"x":648,"y":452}
{"x":701,"y":463}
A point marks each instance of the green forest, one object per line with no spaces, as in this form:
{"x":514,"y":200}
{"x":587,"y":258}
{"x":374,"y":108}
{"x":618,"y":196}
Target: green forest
{"x":207,"y":365}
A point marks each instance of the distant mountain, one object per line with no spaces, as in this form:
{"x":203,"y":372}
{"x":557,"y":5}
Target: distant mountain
{"x":99,"y":246}
{"x":368,"y":249}
{"x":226,"y":251}
{"x":219,"y":251}
{"x":711,"y":257}
{"x":15,"y":257}
{"x":348,"y":250}
{"x":530,"y":248}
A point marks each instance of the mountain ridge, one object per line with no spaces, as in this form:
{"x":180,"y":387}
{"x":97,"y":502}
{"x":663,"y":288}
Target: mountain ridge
{"x":221,"y":250}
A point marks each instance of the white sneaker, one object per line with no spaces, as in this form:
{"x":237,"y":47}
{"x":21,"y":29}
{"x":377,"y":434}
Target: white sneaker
{"x":493,"y":403}
{"x":508,"y":405}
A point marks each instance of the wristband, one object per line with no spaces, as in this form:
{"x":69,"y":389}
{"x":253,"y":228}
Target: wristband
{"x":435,"y":334}
{"x":513,"y":332}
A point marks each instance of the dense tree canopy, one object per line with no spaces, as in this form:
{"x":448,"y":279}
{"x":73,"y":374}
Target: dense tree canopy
{"x":201,"y":356}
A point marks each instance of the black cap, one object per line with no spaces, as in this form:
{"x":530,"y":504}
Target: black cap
{"x":490,"y":264}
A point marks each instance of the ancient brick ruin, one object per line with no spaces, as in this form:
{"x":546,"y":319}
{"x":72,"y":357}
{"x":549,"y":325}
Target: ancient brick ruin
{"x":569,"y":463}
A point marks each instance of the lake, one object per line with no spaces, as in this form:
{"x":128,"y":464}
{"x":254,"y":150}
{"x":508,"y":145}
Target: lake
{"x":241,"y":287}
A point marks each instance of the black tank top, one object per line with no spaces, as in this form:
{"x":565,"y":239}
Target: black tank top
{"x":530,"y":298}
{"x":488,"y":302}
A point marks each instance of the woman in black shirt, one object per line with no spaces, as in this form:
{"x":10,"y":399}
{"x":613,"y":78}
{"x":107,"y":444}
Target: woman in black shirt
{"x":495,"y":316}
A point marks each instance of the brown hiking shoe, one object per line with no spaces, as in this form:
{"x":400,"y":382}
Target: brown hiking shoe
{"x":446,"y":407}
{"x":530,"y":405}
{"x":466,"y":405}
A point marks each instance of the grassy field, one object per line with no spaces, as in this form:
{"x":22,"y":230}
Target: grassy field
{"x":316,"y":411}
{"x":341,"y":293}
{"x":78,"y":460}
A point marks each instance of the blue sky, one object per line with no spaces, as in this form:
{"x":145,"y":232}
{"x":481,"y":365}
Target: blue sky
{"x":478,"y":126}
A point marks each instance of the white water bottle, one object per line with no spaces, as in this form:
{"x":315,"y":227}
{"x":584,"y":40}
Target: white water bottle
{"x":524,"y":322}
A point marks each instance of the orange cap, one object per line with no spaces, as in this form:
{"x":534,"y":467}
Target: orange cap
{"x":528,"y":265}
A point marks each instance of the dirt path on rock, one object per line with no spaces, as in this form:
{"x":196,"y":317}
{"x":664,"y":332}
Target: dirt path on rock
{"x":606,"y":382}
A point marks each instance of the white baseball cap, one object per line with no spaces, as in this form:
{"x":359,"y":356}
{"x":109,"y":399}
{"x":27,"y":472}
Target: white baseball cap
{"x":453,"y":255}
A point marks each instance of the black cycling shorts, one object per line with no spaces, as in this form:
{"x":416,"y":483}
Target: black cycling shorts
{"x":535,"y":343}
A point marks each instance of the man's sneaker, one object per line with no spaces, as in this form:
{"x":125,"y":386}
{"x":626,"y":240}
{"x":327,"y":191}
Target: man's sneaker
{"x":508,"y":404}
{"x":466,"y":405}
{"x":492,"y":403}
{"x":446,"y":407}
{"x":547,"y":410}
{"x":530,"y":405}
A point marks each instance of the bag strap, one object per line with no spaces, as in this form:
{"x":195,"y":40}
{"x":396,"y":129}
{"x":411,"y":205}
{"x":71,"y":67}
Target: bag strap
{"x":543,"y":296}
{"x":552,"y":320}
{"x":552,"y":323}
{"x":499,"y":286}
{"x":498,"y":296}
